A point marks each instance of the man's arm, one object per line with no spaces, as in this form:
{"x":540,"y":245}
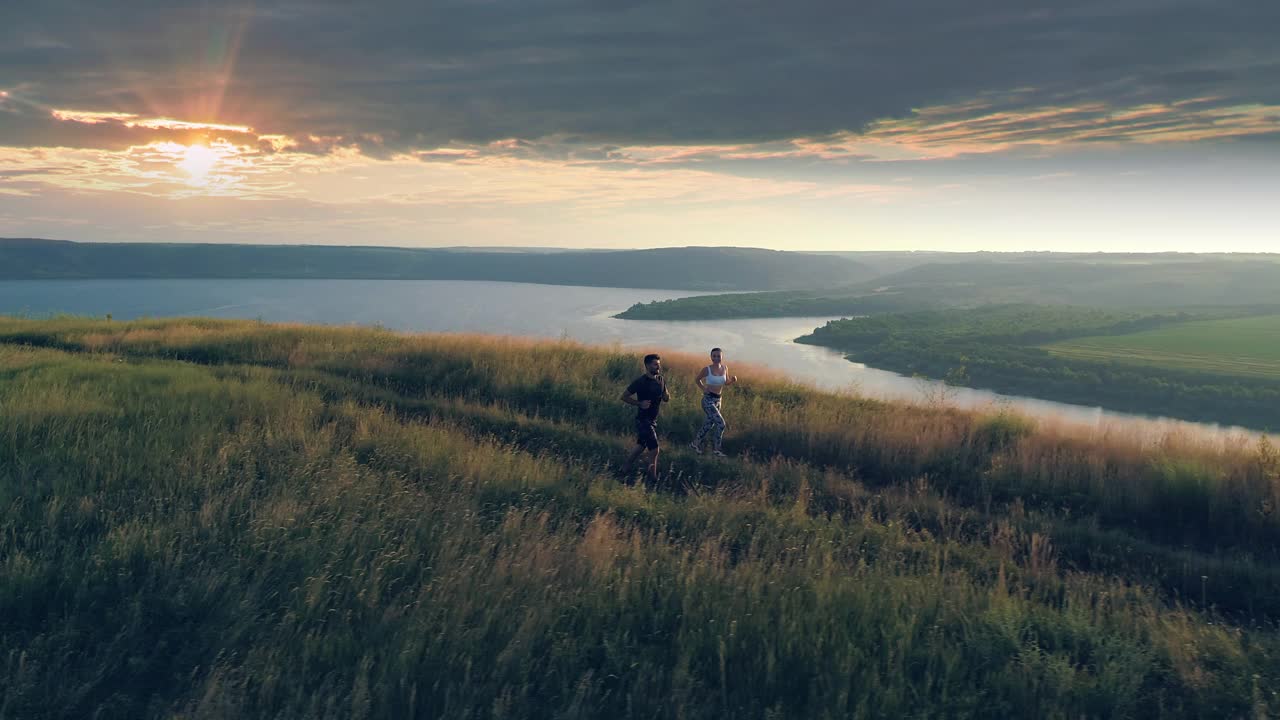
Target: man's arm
{"x":630,"y":397}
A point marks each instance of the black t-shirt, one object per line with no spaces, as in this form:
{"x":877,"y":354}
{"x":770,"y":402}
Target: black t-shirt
{"x":647,"y":388}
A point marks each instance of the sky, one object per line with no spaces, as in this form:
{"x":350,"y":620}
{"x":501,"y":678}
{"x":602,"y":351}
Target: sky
{"x":1070,"y":125}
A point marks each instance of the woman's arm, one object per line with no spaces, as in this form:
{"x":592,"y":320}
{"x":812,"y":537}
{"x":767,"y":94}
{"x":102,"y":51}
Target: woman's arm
{"x":701,"y":379}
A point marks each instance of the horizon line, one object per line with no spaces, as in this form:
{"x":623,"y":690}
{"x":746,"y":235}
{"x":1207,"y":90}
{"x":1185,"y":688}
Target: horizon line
{"x":518,"y":248}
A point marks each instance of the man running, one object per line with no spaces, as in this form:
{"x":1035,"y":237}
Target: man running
{"x":647,"y":393}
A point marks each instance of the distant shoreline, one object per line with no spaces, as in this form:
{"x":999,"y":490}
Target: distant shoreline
{"x":702,"y":269}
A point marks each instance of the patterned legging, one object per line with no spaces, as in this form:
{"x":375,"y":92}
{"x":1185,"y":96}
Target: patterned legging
{"x":714,"y":423}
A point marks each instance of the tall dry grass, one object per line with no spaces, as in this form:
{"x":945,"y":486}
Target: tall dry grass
{"x":218,"y":519}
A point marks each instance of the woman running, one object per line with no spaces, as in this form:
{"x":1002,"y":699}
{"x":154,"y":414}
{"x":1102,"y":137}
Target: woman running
{"x":712,"y":380}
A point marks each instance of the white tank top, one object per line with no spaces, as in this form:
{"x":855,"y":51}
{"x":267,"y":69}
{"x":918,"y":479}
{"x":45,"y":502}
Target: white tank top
{"x":717,"y":380}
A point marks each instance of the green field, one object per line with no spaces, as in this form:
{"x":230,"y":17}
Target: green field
{"x":1086,"y":356}
{"x":1240,"y":346}
{"x":210,"y":519}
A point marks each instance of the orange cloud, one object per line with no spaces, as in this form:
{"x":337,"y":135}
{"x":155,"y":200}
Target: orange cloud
{"x":945,"y":131}
{"x":131,"y":120}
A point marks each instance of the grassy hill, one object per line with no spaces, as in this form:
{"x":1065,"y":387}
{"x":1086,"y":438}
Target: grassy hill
{"x":232,"y":519}
{"x":691,"y":268}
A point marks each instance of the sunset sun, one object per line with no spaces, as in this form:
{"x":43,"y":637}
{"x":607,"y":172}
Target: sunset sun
{"x":197,"y":161}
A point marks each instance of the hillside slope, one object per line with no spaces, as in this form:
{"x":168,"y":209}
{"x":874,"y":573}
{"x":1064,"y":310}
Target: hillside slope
{"x":691,"y":268}
{"x":232,"y":519}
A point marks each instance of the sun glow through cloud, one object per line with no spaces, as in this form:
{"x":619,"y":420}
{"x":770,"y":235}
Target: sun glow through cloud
{"x":197,"y":161}
{"x":892,"y":180}
{"x":183,"y":170}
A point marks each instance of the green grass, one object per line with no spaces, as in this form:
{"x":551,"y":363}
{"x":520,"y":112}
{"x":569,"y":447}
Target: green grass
{"x":231,"y":519}
{"x":1247,"y":346}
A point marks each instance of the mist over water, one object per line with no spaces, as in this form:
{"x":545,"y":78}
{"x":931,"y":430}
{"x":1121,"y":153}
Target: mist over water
{"x":583,"y":314}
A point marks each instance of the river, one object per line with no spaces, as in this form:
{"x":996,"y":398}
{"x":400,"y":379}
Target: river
{"x":580,"y":313}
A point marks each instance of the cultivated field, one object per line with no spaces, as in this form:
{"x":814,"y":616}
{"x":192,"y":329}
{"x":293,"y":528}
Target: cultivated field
{"x":1241,"y":346}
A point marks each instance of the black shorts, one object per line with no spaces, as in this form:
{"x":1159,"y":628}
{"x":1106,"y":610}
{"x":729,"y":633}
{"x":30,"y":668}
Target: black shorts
{"x":647,"y":433}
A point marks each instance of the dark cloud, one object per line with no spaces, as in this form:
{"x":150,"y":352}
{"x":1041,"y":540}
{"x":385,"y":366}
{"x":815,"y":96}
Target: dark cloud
{"x":402,"y":74}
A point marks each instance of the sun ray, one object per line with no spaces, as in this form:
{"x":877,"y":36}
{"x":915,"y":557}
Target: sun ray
{"x":205,"y":67}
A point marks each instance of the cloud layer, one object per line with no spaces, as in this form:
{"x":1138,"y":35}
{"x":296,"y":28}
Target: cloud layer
{"x":400,"y":74}
{"x":998,"y":124}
